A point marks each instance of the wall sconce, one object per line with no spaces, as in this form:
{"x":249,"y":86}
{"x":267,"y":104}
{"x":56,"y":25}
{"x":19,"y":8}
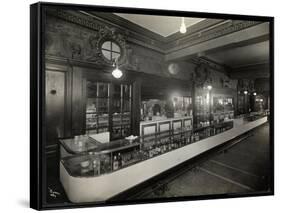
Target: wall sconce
{"x":245,"y":92}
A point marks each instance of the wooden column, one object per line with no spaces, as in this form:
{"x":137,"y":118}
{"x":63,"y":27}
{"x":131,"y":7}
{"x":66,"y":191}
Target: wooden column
{"x":136,"y":106}
{"x":193,"y":105}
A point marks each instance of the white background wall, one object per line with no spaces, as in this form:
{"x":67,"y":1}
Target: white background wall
{"x":14,"y":112}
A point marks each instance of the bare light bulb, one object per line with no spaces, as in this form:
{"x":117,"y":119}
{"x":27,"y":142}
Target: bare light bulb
{"x":183,"y":27}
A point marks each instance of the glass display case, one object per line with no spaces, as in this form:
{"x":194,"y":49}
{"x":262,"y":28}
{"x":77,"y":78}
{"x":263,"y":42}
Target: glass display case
{"x":85,"y":156}
{"x":88,"y":157}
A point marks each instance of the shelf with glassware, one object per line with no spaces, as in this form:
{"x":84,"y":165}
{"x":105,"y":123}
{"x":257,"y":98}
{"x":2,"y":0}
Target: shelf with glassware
{"x":108,"y":109}
{"x":211,"y":117}
{"x":202,"y":114}
{"x":202,"y":108}
{"x":97,"y":107}
{"x":121,"y":111}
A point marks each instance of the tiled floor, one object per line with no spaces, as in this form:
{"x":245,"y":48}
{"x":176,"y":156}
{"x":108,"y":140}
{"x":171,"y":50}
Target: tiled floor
{"x":242,"y":168}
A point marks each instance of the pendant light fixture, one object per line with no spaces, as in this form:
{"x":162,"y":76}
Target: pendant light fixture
{"x":182,"y":27}
{"x":116,"y":72}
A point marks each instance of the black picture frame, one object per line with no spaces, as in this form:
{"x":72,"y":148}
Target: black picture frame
{"x":38,"y":159}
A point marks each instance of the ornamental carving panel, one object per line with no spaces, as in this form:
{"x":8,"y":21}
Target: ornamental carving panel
{"x":71,"y":41}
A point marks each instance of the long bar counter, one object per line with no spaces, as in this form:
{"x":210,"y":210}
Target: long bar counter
{"x":90,"y":187}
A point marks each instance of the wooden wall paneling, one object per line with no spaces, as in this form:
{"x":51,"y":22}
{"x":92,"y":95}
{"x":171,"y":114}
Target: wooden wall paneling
{"x":84,"y":103}
{"x":78,"y":121}
{"x":55,"y":106}
{"x":68,"y":103}
{"x":55,"y":97}
{"x":110,"y":117}
{"x":193,"y":96}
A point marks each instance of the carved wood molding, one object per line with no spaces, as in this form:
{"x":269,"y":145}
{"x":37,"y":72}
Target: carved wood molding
{"x":75,"y":19}
{"x":227,"y":27}
{"x":80,"y":44}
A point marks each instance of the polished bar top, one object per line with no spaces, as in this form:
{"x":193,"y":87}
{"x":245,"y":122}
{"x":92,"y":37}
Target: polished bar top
{"x":165,"y":119}
{"x":79,"y":145}
{"x":87,"y":144}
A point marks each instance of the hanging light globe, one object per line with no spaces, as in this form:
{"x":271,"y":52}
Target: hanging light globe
{"x":117,"y":73}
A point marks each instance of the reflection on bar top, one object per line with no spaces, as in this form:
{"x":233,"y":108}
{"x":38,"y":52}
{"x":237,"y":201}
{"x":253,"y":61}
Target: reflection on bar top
{"x":166,"y":119}
{"x":89,"y":144}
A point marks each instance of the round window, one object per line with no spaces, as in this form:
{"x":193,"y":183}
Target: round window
{"x":110,"y":50}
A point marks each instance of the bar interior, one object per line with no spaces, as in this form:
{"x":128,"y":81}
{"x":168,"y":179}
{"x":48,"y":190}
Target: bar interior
{"x":130,"y":96}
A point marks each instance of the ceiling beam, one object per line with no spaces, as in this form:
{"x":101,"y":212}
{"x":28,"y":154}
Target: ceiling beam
{"x":255,"y":71}
{"x":247,"y":35}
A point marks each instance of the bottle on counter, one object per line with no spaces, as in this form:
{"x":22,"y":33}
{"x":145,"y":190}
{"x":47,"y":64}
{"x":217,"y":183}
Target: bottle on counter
{"x":164,"y":147}
{"x":94,"y":164}
{"x":115,"y":163}
{"x":150,"y":152}
{"x":119,"y":159}
{"x":188,"y":139}
{"x":91,"y":157}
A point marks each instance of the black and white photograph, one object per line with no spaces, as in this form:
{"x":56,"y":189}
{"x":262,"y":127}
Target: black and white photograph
{"x":135,"y":106}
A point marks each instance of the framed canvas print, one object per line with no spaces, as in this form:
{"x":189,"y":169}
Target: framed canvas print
{"x":133,"y":106}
